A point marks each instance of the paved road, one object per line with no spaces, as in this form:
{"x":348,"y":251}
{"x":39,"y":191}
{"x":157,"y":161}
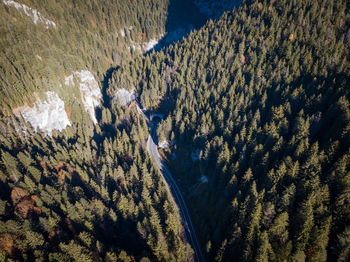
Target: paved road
{"x":187,"y":223}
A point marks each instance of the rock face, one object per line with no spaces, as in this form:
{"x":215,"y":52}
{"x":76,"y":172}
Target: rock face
{"x":32,"y":13}
{"x":163,"y":144}
{"x":122,"y":32}
{"x":146,"y":46}
{"x":45,"y":115}
{"x":124,"y":97}
{"x":149,"y":45}
{"x":90,"y":92}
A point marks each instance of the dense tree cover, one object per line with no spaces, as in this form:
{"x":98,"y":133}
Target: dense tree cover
{"x":71,"y":197}
{"x":90,"y":192}
{"x":89,"y":35}
{"x":260,"y":96}
{"x":263,"y":94}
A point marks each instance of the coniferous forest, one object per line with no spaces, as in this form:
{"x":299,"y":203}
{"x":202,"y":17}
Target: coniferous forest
{"x":254,"y":126}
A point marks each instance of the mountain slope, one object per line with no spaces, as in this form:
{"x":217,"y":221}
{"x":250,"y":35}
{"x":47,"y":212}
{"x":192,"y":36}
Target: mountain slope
{"x":256,"y":132}
{"x":36,"y":57}
{"x":257,"y":109}
{"x":76,"y":182}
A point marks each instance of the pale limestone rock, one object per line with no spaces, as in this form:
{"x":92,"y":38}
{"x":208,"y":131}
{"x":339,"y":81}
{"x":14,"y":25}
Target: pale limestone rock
{"x":69,"y":80}
{"x":164,"y":144}
{"x":90,"y":92}
{"x":122,"y":32}
{"x":152,"y":43}
{"x":146,"y":46}
{"x":32,"y":13}
{"x":124,"y":97}
{"x":47,"y":115}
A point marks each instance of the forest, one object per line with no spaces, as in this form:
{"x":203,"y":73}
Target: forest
{"x":94,"y":35}
{"x":88,"y":193}
{"x":256,"y":126}
{"x":258,"y":104}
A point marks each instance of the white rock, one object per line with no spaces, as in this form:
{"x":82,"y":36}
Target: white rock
{"x":69,"y":80}
{"x":146,"y":46}
{"x":164,"y":144}
{"x":152,"y":43}
{"x":139,"y":110}
{"x":90,"y":92}
{"x":46,"y":115}
{"x":124,"y":97}
{"x":32,"y":13}
{"x":135,"y":47}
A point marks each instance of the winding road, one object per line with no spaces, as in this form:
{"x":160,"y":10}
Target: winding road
{"x":186,"y":219}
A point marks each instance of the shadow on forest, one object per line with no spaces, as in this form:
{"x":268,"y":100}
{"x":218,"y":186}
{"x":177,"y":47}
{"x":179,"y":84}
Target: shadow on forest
{"x":183,"y":16}
{"x":325,"y":127}
{"x":107,"y":77}
{"x":327,"y":121}
{"x":106,"y":102}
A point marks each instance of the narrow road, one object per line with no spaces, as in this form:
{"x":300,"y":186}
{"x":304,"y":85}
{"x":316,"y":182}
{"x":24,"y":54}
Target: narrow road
{"x":187,"y":223}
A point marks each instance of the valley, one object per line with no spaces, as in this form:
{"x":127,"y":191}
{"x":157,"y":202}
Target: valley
{"x":174,"y":130}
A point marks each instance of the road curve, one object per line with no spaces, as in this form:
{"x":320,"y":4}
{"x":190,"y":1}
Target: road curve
{"x":186,"y":219}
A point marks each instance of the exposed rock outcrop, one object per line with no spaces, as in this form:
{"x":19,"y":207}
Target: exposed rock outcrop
{"x":151,"y":43}
{"x":124,"y":97}
{"x":47,"y":115}
{"x":163,"y":144}
{"x":146,"y":46}
{"x":90,"y":92}
{"x":32,"y":13}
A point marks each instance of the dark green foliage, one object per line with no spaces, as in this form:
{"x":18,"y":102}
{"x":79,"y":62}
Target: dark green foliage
{"x":89,"y":195}
{"x":258,"y":99}
{"x":94,"y":204}
{"x":34,"y":58}
{"x":263,"y":96}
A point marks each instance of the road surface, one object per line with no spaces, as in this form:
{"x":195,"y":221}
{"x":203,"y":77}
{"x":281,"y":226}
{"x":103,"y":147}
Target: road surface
{"x":187,"y":223}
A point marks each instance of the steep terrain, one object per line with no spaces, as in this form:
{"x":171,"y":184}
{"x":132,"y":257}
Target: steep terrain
{"x":76,"y":182}
{"x":256,"y":131}
{"x":89,"y":90}
{"x":42,"y":43}
{"x":257,"y":108}
{"x":47,"y":115}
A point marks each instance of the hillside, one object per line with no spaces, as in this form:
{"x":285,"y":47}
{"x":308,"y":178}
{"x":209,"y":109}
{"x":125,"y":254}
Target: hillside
{"x":257,"y":108}
{"x":76,"y":182}
{"x":41,"y":44}
{"x":253,"y":106}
